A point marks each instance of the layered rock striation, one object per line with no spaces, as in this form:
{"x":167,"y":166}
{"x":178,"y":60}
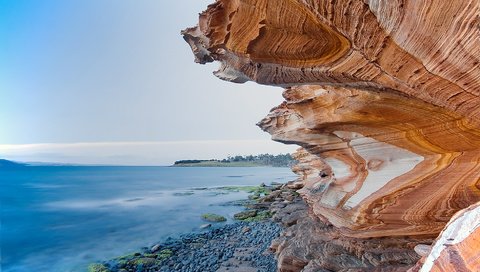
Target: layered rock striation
{"x":380,"y":164}
{"x":456,"y":248}
{"x":382,"y":97}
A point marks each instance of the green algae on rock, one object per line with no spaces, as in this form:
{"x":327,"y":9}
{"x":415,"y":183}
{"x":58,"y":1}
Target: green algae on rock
{"x":98,"y":267}
{"x":260,"y":216}
{"x":245,"y":214}
{"x":211,"y":217}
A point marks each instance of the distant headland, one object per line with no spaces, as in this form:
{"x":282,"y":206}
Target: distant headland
{"x":282,"y":160}
{"x":10,"y":164}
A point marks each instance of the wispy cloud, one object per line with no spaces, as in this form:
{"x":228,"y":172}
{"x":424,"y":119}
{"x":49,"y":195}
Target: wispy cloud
{"x":138,"y":153}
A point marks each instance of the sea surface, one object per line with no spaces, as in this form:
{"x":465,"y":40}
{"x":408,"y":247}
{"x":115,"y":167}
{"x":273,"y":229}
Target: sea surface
{"x":61,"y":218}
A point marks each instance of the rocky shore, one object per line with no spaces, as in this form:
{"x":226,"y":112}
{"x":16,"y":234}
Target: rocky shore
{"x":277,"y":231}
{"x":241,"y":246}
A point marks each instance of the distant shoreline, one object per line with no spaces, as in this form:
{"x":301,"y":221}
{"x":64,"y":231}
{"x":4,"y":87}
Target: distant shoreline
{"x":222,"y":164}
{"x":262,"y":160}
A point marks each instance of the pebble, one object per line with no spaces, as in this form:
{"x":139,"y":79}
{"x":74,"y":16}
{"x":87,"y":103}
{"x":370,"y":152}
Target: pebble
{"x":217,"y":248}
{"x":422,"y":250}
{"x":236,"y":247}
{"x":205,"y":226}
{"x":155,"y":248}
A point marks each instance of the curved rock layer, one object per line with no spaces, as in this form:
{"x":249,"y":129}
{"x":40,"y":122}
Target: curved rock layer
{"x":456,"y":248}
{"x":379,"y":164}
{"x":309,"y":245}
{"x":382,"y":96}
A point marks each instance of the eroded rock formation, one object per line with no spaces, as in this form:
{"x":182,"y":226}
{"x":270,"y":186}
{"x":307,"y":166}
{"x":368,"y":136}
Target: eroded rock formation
{"x":310,"y":245}
{"x":383,"y":164}
{"x":457,"y":246}
{"x":382,"y":96}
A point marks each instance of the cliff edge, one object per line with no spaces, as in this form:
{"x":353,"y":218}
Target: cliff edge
{"x":382,"y":97}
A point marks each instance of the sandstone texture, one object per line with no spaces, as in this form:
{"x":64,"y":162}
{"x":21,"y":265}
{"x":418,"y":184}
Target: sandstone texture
{"x":310,"y":245}
{"x":457,"y":246}
{"x":383,"y":98}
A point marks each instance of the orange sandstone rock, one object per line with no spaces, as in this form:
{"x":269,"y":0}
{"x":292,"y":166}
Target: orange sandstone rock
{"x":382,"y":97}
{"x":457,"y":248}
{"x":379,"y":96}
{"x":384,"y":165}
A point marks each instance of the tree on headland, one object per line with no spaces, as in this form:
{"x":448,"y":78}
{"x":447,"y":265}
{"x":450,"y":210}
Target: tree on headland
{"x":281,"y":160}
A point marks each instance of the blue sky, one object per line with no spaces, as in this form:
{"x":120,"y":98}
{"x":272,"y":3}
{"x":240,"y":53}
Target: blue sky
{"x":113,"y":72}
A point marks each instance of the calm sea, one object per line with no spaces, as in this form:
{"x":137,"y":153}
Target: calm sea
{"x":63,"y":218}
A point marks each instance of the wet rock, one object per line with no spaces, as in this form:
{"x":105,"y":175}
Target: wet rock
{"x":205,"y":226}
{"x":97,"y":267}
{"x":245,"y":214}
{"x":246,"y":229}
{"x":155,"y":248}
{"x":211,"y":217}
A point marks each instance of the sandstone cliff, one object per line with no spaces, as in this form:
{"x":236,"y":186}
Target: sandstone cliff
{"x":382,"y":96}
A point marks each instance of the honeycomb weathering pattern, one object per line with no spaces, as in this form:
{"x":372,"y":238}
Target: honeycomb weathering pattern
{"x":382,"y":96}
